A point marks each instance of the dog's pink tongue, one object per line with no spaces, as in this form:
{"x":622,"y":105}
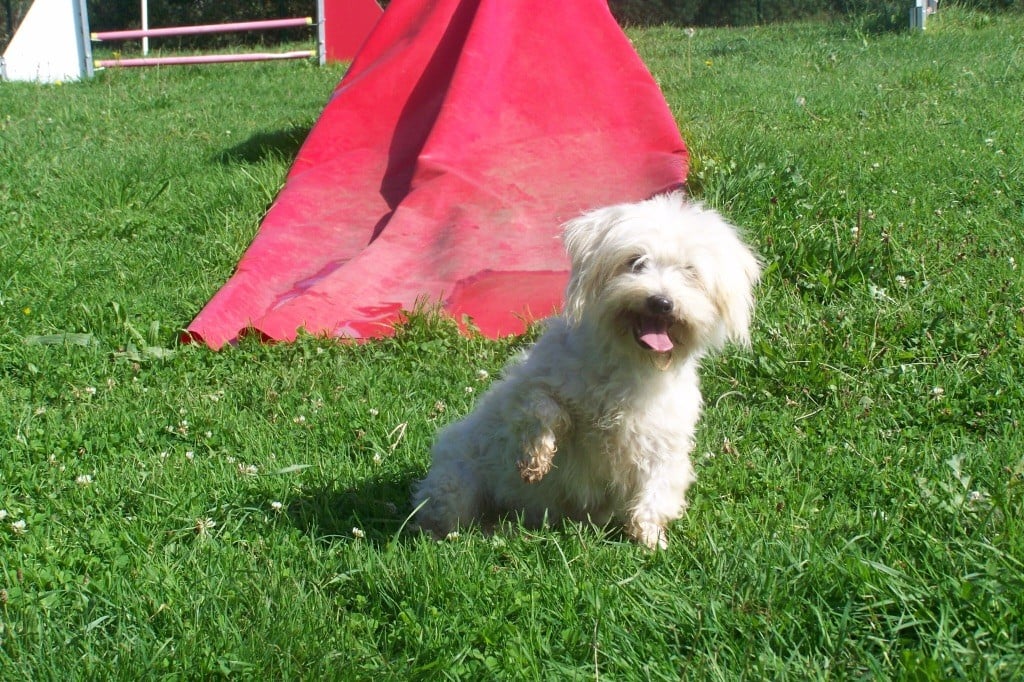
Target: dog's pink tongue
{"x":654,"y":334}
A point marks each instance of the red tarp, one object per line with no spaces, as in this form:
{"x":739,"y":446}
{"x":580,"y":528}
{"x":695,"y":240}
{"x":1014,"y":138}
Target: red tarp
{"x":463,"y":135}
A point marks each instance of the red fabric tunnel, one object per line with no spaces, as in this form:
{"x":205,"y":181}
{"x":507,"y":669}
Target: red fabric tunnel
{"x":463,"y":135}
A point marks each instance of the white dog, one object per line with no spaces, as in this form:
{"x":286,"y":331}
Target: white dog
{"x":596,"y":421}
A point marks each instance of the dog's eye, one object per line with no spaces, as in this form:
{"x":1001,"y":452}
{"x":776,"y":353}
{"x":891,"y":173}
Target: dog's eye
{"x":637,"y":263}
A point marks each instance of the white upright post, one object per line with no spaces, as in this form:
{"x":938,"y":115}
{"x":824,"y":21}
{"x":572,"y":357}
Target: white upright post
{"x":51,"y":44}
{"x":145,"y":27}
{"x":918,"y":14}
{"x":321,"y":33}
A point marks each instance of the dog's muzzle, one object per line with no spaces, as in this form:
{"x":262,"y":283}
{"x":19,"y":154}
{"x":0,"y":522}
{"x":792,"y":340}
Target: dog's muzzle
{"x":652,"y":326}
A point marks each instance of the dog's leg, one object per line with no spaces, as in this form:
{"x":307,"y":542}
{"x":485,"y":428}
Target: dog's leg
{"x":661,"y":499}
{"x":649,"y":534}
{"x":450,"y":496}
{"x":544,"y":424}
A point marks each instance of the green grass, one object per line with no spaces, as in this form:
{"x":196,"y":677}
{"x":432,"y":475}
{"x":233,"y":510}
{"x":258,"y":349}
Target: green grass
{"x":859,"y":511}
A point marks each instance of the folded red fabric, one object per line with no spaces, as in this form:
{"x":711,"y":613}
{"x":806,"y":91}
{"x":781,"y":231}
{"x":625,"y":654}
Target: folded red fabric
{"x":463,"y":135}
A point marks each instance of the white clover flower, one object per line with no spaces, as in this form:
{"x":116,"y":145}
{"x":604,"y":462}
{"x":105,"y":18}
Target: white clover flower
{"x":248,"y":469}
{"x":276,"y":506}
{"x":203,"y":526}
{"x":452,"y":536}
{"x":358,"y":533}
{"x":482,"y":375}
{"x":83,"y":480}
{"x":938,"y":392}
{"x":901,"y":281}
{"x":374,"y":412}
{"x":3,"y":514}
{"x":19,"y":527}
{"x":189,"y":455}
{"x":878,"y":293}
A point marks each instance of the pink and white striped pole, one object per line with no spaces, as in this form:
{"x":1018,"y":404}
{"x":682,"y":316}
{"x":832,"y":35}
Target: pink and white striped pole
{"x":204,"y":28}
{"x":206,"y":59}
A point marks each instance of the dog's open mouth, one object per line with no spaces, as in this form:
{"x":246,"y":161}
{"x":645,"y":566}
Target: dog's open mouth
{"x":651,"y":332}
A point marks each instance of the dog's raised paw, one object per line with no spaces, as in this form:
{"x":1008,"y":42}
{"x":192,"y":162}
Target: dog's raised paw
{"x":538,"y":460}
{"x":533,"y":469}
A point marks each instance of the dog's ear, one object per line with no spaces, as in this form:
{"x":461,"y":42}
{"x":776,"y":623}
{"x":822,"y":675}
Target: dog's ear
{"x":583,"y":238}
{"x":729,"y":270}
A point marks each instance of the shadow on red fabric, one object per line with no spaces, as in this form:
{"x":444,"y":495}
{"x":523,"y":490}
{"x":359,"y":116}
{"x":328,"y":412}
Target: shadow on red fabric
{"x":462,"y":137}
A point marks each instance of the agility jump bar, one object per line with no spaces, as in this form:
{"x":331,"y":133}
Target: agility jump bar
{"x":205,"y":59}
{"x":171,"y":31}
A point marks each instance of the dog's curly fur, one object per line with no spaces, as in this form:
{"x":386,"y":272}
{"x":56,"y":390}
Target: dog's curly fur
{"x":596,"y":421}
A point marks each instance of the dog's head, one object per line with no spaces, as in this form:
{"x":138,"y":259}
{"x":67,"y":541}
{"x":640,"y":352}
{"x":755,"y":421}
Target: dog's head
{"x":662,"y":277}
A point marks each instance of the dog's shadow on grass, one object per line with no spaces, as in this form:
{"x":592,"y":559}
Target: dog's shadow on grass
{"x":376,"y":510}
{"x":379,"y":511}
{"x":283,"y":144}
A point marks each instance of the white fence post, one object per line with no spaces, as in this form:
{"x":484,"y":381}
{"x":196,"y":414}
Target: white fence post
{"x":145,"y":27}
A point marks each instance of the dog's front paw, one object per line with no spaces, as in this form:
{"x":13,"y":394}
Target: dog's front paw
{"x":538,"y":460}
{"x":650,"y":535}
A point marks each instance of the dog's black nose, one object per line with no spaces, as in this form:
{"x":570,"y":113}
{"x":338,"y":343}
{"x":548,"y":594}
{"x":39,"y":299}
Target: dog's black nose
{"x":659,"y":305}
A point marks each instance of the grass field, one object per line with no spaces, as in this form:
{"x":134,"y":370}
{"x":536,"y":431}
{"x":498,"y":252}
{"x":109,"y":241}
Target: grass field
{"x":171,"y":512}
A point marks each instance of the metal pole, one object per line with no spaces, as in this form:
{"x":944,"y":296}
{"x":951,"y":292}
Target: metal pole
{"x":206,"y":59}
{"x":145,"y":27}
{"x":260,"y":25}
{"x":82,"y":22}
{"x":321,"y":32}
